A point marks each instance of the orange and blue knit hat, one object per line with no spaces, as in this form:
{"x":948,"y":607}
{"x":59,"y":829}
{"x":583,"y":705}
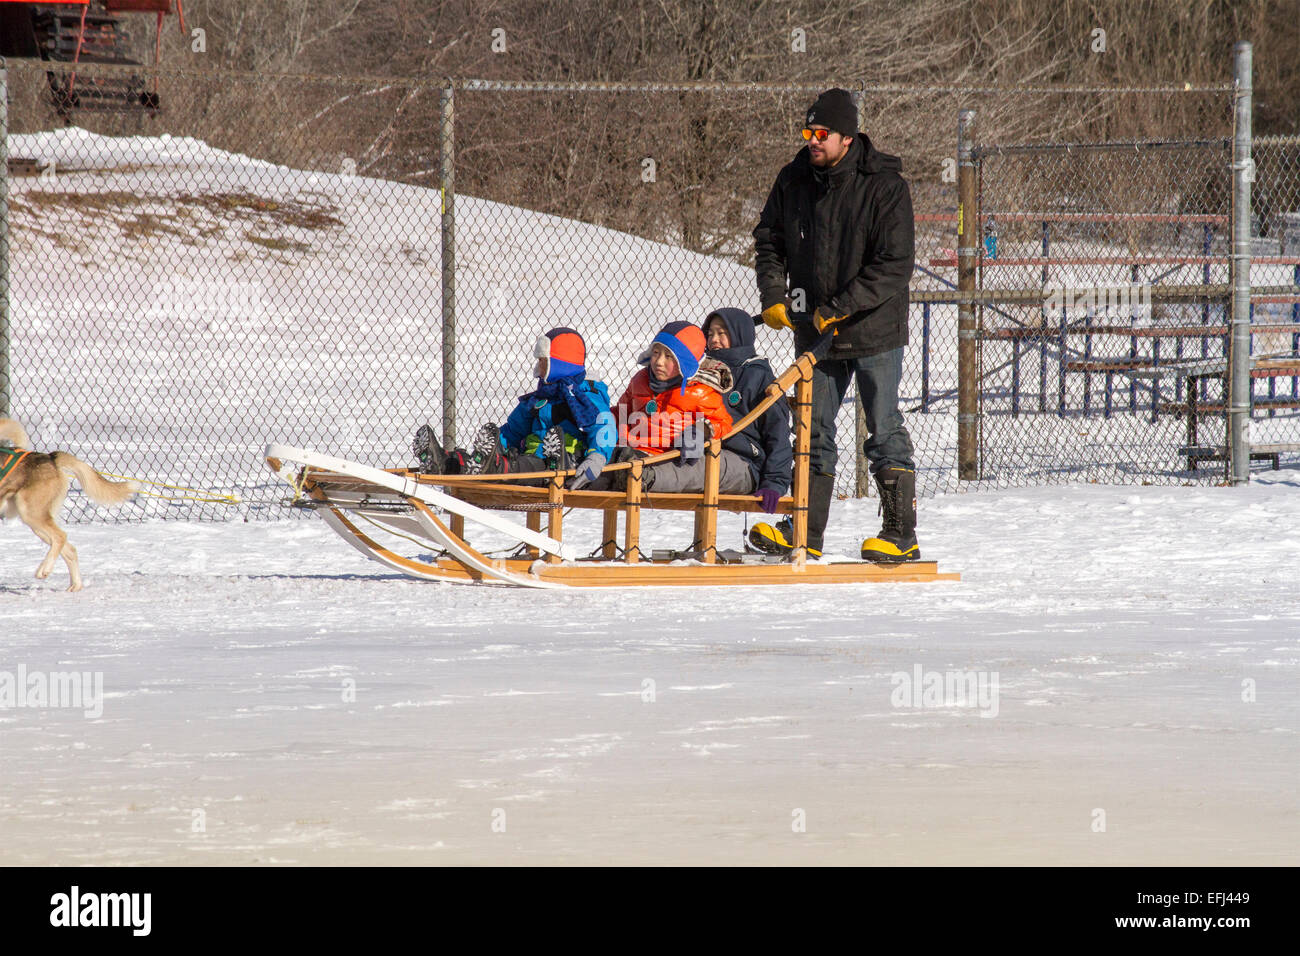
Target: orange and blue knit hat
{"x":687,"y":343}
{"x":564,"y":353}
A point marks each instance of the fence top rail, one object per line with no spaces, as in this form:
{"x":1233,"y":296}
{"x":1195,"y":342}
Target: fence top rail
{"x":1136,"y":146}
{"x":1038,"y":296}
{"x":575,"y":86}
{"x":1077,"y":216}
{"x":1289,"y":139}
{"x":1004,"y":262}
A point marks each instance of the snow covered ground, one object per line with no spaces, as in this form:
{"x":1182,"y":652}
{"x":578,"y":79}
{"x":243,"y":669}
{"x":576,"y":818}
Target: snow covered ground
{"x":1146,"y":642}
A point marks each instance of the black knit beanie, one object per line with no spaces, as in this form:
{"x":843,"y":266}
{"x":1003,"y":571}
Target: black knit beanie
{"x":834,"y":109}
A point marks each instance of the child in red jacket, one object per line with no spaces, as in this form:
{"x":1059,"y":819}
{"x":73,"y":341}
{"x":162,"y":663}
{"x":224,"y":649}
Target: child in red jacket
{"x":667,"y":405}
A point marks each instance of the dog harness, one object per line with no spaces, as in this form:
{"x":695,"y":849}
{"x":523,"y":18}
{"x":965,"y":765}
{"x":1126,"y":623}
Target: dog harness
{"x":9,"y":459}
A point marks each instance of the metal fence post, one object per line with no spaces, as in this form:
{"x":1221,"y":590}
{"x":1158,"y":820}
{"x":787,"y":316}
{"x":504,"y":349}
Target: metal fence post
{"x":4,"y":239}
{"x":861,"y":467}
{"x":1239,"y":385}
{"x":447,"y":177}
{"x":968,"y":228}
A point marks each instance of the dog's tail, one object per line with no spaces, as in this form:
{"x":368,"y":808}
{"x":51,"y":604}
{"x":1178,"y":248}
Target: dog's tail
{"x":14,"y":434}
{"x":98,"y":488}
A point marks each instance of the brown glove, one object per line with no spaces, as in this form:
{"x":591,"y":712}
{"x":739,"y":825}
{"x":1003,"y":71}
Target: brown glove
{"x":777,"y":317}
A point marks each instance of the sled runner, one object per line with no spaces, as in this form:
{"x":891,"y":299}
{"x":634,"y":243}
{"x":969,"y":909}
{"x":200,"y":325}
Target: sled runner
{"x":370,"y":507}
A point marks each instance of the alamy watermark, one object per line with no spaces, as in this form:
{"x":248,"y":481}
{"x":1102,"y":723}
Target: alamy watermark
{"x":77,"y":909}
{"x":1132,"y":301}
{"x":78,"y":690}
{"x":243,"y":301}
{"x":934,"y":689}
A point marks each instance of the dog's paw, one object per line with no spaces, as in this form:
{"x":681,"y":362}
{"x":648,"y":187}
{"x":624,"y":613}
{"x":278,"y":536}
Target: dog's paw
{"x":76,"y":587}
{"x":42,"y":574}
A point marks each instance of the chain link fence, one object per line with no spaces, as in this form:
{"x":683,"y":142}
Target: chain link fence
{"x":241,"y":267}
{"x":1275,"y":311}
{"x":1123,"y":251}
{"x":262,"y":259}
{"x":1105,"y":334}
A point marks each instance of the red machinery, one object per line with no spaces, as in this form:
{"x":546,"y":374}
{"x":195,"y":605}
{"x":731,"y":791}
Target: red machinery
{"x":84,"y":31}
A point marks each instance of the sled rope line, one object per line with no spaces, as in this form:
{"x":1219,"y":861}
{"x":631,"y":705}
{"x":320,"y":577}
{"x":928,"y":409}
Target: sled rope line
{"x":426,"y":545}
{"x":298,"y":483}
{"x":208,"y":497}
{"x":416,"y":541}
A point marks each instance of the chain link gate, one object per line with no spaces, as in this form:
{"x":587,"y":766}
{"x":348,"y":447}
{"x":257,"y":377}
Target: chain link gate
{"x":1104,"y":269}
{"x":1275,"y":311}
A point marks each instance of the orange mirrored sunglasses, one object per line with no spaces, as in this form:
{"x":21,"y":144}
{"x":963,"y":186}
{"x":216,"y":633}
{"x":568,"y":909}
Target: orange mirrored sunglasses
{"x":817,"y":134}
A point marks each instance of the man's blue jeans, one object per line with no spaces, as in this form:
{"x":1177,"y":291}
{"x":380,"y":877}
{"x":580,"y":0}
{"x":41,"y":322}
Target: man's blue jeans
{"x":878,"y":378}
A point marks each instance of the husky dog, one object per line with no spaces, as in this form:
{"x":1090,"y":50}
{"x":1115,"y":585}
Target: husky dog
{"x":33,"y":489}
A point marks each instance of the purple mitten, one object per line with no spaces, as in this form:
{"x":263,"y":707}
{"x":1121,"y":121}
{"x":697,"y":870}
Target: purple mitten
{"x":769,"y":497}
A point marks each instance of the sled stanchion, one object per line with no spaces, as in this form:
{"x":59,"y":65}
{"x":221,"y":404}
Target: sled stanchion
{"x":458,"y":525}
{"x":533,"y":521}
{"x":609,"y":535}
{"x":706,"y":515}
{"x":632,"y":524}
{"x":802,"y":464}
{"x":555,"y":515}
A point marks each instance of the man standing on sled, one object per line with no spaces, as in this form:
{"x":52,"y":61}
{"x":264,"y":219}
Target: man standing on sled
{"x":833,"y":257}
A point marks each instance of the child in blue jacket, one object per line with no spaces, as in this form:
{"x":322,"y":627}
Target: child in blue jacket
{"x":565,"y":419}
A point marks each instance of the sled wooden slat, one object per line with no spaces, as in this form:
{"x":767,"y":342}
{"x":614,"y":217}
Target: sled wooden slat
{"x":653,"y":574}
{"x":502,"y":495}
{"x":533,"y":521}
{"x":555,"y":516}
{"x":499,"y":496}
{"x":632,"y":511}
{"x":609,"y":535}
{"x":802,"y":462}
{"x":706,"y":512}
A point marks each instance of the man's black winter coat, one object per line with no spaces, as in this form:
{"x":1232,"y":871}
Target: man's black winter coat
{"x":844,"y":236}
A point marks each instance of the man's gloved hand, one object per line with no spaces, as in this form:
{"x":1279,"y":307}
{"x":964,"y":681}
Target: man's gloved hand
{"x":589,"y":470}
{"x":777,"y":316}
{"x":769,"y":497}
{"x":825,"y":318}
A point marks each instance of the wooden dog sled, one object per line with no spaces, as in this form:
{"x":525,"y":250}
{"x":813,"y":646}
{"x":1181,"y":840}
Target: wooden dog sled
{"x":375,"y":509}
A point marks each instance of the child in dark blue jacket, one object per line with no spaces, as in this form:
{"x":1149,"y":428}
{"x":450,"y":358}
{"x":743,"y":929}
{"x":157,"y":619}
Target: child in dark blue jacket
{"x":765,"y":444}
{"x":565,"y":419}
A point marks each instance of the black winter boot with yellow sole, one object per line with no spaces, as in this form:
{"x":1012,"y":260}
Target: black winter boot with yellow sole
{"x":897,"y":539}
{"x":776,"y":538}
{"x":779,"y":538}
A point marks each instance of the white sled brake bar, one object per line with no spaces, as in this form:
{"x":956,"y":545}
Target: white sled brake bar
{"x":410,"y":488}
{"x":496,"y":571}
